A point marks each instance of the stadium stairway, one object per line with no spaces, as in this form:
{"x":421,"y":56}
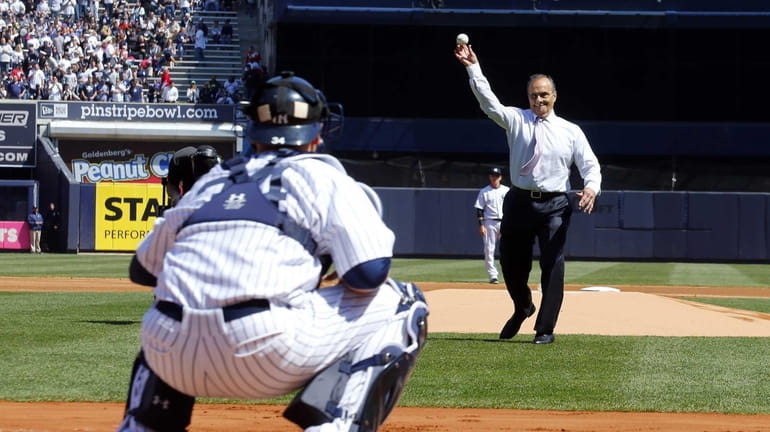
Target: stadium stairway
{"x":221,"y":60}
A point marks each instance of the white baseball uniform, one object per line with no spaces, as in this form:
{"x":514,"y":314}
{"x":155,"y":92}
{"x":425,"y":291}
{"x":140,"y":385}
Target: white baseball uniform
{"x":490,"y":202}
{"x":206,"y":266}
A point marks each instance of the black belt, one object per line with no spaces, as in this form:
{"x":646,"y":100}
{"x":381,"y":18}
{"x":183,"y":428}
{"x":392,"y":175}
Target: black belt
{"x":231,"y":312}
{"x":496,"y":220}
{"x":536,"y":195}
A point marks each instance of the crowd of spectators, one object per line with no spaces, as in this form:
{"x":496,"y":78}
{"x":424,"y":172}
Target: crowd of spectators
{"x":115,"y":51}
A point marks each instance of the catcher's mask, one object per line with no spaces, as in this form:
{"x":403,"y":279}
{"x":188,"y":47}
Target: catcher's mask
{"x":288,"y":111}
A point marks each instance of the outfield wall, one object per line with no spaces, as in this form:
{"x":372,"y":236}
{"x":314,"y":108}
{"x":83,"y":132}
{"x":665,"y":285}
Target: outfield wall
{"x":633,"y":225}
{"x":669,"y":226}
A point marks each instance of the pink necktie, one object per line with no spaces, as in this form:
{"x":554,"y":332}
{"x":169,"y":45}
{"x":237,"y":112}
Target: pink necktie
{"x":527,"y":168}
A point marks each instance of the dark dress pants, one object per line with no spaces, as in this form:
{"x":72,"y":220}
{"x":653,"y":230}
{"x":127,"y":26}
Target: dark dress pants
{"x":524,"y":220}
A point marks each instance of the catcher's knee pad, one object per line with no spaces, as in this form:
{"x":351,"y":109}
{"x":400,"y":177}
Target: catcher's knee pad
{"x":414,"y":305}
{"x":155,"y":404}
{"x":389,"y":370}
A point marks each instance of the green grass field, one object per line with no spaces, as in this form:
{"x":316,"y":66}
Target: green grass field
{"x":438,"y":270}
{"x":80,"y":346}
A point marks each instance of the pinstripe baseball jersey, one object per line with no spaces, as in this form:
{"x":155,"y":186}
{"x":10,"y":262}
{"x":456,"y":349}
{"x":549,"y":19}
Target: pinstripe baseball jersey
{"x":490,"y":201}
{"x":211,"y":264}
{"x":218,"y":263}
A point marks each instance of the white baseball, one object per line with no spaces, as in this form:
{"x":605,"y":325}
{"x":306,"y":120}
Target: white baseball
{"x":462,"y":39}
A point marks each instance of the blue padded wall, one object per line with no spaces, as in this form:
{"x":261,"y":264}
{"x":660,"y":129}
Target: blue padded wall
{"x":581,"y":238}
{"x":638,"y":211}
{"x":637,"y":243}
{"x":87,"y":216}
{"x":625,"y":225}
{"x":609,"y":243}
{"x":606,"y":221}
{"x":673,"y":226}
{"x":669,"y":244}
{"x":429,"y":215}
{"x":752,"y":225}
{"x":670,"y":210}
{"x":432,"y":221}
{"x":767,"y":227}
{"x":399,"y":212}
{"x":713,"y":228}
{"x":73,"y":218}
{"x":670,"y":222}
{"x":637,"y":220}
{"x":459,"y":228}
{"x":606,"y":212}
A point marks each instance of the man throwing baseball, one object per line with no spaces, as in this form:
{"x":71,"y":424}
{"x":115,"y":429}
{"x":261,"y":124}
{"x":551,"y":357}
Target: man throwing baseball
{"x":543,"y":147}
{"x":236,"y":266}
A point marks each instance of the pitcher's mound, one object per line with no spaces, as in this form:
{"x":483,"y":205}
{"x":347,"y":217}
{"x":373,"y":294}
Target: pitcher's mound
{"x":589,"y":312}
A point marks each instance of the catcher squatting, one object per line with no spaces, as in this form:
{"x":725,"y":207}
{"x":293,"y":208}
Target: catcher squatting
{"x":236,"y":265}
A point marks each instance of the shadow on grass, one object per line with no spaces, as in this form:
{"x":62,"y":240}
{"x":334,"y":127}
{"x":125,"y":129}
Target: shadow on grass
{"x":486,"y":340}
{"x":120,"y":323}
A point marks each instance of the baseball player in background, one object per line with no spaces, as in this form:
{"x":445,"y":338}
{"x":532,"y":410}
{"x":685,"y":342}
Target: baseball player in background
{"x":237,"y":266}
{"x":489,"y":211}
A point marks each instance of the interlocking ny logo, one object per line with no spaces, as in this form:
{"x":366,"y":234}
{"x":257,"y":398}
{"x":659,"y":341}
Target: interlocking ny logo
{"x":235,"y":201}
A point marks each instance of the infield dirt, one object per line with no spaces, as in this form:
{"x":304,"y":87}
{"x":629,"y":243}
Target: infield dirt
{"x":583,"y":312}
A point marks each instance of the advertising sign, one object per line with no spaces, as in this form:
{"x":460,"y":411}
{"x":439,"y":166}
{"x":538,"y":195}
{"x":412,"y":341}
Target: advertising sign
{"x":129,"y":193}
{"x":125,"y":213}
{"x":14,"y":235}
{"x":121,"y":166}
{"x":140,"y":112}
{"x":17,"y":135}
{"x":125,"y":161}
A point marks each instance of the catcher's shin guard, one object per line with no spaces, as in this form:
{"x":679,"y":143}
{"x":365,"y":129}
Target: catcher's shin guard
{"x":385,"y":375}
{"x":153,"y":405}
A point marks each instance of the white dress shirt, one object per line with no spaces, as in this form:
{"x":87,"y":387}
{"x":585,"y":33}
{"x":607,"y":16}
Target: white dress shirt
{"x":564,"y":145}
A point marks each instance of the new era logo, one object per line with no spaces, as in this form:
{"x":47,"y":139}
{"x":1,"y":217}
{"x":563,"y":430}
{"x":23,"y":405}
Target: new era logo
{"x":53,"y":110}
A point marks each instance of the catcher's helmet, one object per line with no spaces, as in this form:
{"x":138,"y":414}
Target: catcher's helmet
{"x":286,"y":111}
{"x":205,"y":158}
{"x":188,"y":164}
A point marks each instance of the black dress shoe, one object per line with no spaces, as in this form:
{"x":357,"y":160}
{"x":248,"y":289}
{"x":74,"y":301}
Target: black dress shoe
{"x":541,"y":339}
{"x":514,"y":324}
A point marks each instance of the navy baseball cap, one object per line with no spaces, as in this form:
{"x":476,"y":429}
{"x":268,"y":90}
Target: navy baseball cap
{"x":495,"y":171}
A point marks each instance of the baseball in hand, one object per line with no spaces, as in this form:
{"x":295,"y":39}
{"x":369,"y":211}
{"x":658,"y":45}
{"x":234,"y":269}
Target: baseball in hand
{"x":462,"y":39}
